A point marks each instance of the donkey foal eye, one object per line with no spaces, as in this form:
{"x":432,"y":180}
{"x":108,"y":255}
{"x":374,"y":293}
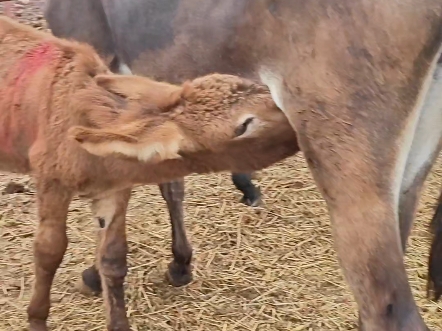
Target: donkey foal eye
{"x":240,"y":130}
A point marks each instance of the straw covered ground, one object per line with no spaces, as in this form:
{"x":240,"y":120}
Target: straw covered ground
{"x":266,"y":268}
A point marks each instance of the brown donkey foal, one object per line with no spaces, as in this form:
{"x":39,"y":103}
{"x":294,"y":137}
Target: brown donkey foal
{"x":80,"y":129}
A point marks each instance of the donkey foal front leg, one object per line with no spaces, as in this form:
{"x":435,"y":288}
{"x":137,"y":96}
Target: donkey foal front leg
{"x":49,"y":247}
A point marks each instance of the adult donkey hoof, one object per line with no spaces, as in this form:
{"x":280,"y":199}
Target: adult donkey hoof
{"x":253,"y":198}
{"x":251,"y":193}
{"x":90,"y":282}
{"x":179,"y":274}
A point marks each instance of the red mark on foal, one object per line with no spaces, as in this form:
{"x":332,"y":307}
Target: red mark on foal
{"x":31,"y":61}
{"x":15,"y":120}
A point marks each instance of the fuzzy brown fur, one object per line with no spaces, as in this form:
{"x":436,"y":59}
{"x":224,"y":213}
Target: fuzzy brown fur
{"x":57,"y":99}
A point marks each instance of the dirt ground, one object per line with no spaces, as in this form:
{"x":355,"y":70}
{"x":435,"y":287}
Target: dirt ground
{"x":266,"y":268}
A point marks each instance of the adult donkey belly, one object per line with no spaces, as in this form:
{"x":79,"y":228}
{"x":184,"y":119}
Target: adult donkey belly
{"x":179,"y":39}
{"x":81,"y":20}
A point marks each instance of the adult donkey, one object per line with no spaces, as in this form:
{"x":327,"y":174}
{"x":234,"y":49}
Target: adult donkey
{"x":359,"y":80}
{"x":122,"y":35}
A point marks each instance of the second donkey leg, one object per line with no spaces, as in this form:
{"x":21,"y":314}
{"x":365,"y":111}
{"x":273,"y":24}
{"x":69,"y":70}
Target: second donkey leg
{"x":111,"y":259}
{"x":110,"y":267}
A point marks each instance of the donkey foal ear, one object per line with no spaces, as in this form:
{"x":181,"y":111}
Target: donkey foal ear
{"x":90,"y":135}
{"x":103,"y":142}
{"x":158,"y":144}
{"x":159,"y":94}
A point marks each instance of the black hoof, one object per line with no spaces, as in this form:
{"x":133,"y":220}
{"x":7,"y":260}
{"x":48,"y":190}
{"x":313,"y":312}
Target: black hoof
{"x":91,"y":282}
{"x":179,"y":274}
{"x":253,"y":199}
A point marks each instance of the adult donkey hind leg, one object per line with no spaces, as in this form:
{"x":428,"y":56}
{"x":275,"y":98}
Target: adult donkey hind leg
{"x":362,"y":105}
{"x":366,"y":217}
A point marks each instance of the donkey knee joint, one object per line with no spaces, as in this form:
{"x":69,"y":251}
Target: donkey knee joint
{"x":47,"y":257}
{"x":49,"y":253}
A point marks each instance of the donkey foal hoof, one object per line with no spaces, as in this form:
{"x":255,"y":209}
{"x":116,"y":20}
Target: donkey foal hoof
{"x":90,"y":283}
{"x":178,"y":274}
{"x":85,"y":290}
